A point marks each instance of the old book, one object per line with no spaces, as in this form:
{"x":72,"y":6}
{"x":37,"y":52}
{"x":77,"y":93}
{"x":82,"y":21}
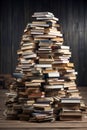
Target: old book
{"x":55,"y":63}
{"x":19,"y":52}
{"x":48,"y":70}
{"x":48,"y":100}
{"x":45,"y":61}
{"x":53,"y":74}
{"x":32,"y":84}
{"x":43,"y":65}
{"x":70,"y":100}
{"x":38,"y":81}
{"x":34,"y":95}
{"x":43,"y":13}
{"x":11,"y":94}
{"x":30,"y":101}
{"x":47,"y":18}
{"x":58,"y":40}
{"x":45,"y":36}
{"x":57,"y":86}
{"x":18,"y":75}
{"x":54,"y":81}
{"x":39,"y":24}
{"x":42,"y":108}
{"x":42,"y":117}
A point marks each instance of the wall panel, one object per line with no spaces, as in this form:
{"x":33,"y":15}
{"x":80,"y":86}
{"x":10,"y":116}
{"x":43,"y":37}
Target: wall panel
{"x":72,"y":14}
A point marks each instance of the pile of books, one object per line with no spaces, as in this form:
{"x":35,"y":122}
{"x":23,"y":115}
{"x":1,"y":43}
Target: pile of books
{"x":44,"y":87}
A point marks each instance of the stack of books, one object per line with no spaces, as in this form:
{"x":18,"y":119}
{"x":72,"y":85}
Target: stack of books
{"x":44,"y":80}
{"x":70,"y":109}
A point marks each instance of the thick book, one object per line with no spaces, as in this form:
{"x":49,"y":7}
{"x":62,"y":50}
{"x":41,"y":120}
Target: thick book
{"x":33,"y":84}
{"x":43,"y":13}
{"x":60,"y":47}
{"x":43,"y":65}
{"x":18,"y":75}
{"x":52,"y":74}
{"x":71,"y":100}
{"x":45,"y":36}
{"x":57,"y":86}
{"x":39,"y":24}
{"x":47,"y":18}
{"x":41,"y":104}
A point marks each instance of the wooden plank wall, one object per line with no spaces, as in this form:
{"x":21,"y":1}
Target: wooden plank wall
{"x":15,"y":14}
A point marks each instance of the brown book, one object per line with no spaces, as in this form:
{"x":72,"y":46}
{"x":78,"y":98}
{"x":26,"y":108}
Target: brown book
{"x":34,"y":84}
{"x":45,"y":61}
{"x":59,"y":40}
{"x":35,"y":95}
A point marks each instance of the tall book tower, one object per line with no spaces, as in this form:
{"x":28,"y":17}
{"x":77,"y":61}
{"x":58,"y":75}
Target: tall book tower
{"x":44,"y":87}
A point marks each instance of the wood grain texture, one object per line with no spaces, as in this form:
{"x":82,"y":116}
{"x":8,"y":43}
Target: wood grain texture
{"x":14,"y":15}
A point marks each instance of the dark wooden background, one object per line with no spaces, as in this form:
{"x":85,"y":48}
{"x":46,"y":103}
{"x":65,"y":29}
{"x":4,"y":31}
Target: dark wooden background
{"x":15,"y":14}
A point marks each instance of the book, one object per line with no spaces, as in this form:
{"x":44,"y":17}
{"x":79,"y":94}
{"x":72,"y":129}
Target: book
{"x":18,"y":75}
{"x":43,"y":65}
{"x":52,"y":74}
{"x":40,"y":13}
{"x":57,"y":86}
{"x":47,"y":18}
{"x":45,"y":61}
{"x":70,"y":100}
